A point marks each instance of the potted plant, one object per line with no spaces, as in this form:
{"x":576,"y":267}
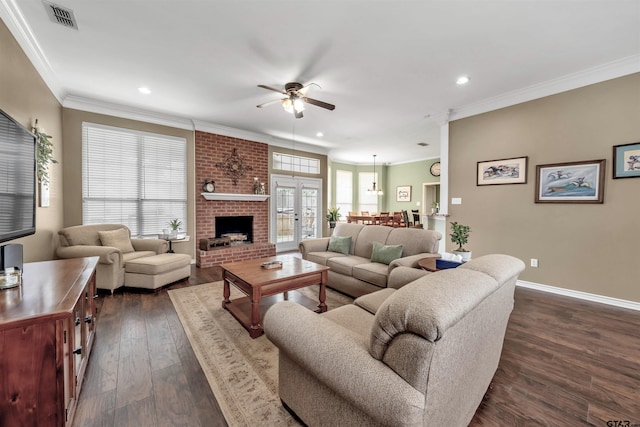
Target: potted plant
{"x":175,"y":224}
{"x":460,"y":236}
{"x":333,"y":215}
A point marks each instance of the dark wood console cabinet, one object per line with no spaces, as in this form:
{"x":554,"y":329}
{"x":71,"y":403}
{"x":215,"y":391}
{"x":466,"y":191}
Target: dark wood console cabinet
{"x":47,"y":326}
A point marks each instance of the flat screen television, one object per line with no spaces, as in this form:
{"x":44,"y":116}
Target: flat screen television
{"x":17,"y":180}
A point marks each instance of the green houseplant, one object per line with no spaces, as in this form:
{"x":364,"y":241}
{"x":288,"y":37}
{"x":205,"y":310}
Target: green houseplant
{"x":333,"y":215}
{"x":175,"y":225}
{"x":44,"y":154}
{"x":460,"y":236}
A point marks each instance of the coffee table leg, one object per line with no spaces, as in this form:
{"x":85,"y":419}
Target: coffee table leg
{"x":256,"y":329}
{"x":322,"y":295}
{"x":226,"y":292}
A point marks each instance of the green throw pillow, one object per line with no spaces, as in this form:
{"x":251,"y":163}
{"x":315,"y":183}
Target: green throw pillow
{"x":385,"y":254}
{"x":340,"y":244}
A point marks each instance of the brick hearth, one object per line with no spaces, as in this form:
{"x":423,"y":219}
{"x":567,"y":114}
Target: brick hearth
{"x":211,"y":149}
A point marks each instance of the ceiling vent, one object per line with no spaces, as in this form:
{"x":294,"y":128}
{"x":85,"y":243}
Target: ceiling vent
{"x":60,"y":15}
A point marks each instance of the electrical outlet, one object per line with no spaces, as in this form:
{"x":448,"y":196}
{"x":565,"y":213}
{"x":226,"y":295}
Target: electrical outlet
{"x":534,"y":262}
{"x":456,"y":200}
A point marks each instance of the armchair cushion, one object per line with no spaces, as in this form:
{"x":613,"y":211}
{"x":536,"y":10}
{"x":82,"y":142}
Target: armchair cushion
{"x":118,"y":238}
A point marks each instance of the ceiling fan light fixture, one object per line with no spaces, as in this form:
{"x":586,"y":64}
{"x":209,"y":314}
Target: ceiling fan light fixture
{"x":298,"y":104}
{"x":287,"y":105}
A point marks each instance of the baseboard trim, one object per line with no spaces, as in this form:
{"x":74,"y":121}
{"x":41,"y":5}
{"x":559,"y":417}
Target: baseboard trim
{"x":631,"y":305}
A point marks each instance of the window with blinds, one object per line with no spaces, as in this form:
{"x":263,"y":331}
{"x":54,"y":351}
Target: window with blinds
{"x":344,"y":192}
{"x":133,"y":178}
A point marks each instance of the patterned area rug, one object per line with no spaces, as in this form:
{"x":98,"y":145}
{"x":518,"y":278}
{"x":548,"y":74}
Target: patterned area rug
{"x":242,"y":372}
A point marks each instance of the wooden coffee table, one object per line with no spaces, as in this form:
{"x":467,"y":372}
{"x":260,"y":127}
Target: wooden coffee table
{"x":259,"y":283}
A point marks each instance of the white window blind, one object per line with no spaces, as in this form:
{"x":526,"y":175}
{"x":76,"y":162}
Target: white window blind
{"x":133,"y":178}
{"x":344,"y":192}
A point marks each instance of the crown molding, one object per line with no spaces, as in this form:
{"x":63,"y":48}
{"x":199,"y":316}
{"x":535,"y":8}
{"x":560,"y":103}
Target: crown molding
{"x":608,"y":71}
{"x":132,"y":113}
{"x":14,"y":20}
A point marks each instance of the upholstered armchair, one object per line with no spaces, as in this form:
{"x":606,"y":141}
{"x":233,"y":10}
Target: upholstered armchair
{"x":423,"y":354}
{"x":112,"y":243}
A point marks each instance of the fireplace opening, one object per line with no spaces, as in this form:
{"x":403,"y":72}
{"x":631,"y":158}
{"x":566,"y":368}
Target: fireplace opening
{"x":238,"y":228}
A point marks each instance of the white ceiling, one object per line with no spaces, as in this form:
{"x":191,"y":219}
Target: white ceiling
{"x":389,"y":66}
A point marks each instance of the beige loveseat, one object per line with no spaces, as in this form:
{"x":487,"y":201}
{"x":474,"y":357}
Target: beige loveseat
{"x":354,"y":273}
{"x":422,"y":355}
{"x":84,"y":240}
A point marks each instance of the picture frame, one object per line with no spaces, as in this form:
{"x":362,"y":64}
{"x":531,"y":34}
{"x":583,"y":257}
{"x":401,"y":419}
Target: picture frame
{"x":570,"y":182}
{"x":626,"y":160}
{"x":403,"y":193}
{"x":502,"y":171}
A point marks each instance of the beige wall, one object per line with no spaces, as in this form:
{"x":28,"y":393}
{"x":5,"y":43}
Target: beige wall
{"x":25,"y":97}
{"x":72,"y":124}
{"x":584,"y":247}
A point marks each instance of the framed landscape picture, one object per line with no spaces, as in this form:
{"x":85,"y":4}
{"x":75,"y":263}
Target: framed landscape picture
{"x":626,"y":160}
{"x":403,"y":193}
{"x":571,"y":182}
{"x":503,"y":171}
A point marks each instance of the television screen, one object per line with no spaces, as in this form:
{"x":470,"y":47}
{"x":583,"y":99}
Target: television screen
{"x":17,"y":180}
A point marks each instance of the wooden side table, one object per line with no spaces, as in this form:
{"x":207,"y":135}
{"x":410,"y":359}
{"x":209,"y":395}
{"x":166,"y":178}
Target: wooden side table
{"x":428,"y":264}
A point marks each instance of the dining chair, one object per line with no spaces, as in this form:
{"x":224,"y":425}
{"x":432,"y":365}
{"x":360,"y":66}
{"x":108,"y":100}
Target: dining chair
{"x":396,"y":221}
{"x":416,"y":216}
{"x":385,"y":219}
{"x":405,"y":219}
{"x":366,"y":213}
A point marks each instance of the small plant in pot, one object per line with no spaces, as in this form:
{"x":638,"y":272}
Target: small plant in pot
{"x":460,"y":236}
{"x":333,"y":215}
{"x":175,"y":225}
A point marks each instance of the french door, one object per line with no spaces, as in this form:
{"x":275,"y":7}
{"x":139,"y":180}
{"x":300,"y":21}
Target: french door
{"x":296,"y":211}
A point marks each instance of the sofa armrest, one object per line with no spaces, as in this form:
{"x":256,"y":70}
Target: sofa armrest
{"x":107,"y":254}
{"x":402,"y":275}
{"x":159,"y":246}
{"x":333,"y":356}
{"x":313,"y":245}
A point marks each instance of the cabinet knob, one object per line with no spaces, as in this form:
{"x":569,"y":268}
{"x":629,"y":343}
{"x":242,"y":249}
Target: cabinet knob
{"x":95,"y":296}
{"x":77,"y":321}
{"x":88,"y":319}
{"x":77,"y":350}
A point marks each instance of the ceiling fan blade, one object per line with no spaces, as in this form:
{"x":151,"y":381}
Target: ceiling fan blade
{"x":319,"y":103}
{"x":266,"y":104}
{"x":273,"y":89}
{"x":306,"y":88}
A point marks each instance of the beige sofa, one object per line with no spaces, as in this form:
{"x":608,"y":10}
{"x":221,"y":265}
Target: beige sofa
{"x":422,"y":355}
{"x":354,"y":273}
{"x":84,"y":240}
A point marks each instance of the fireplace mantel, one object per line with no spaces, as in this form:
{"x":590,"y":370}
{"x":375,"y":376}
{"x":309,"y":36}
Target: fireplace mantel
{"x":235,"y":196}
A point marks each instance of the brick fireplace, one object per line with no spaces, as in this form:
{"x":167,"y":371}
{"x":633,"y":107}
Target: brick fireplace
{"x":212,"y":149}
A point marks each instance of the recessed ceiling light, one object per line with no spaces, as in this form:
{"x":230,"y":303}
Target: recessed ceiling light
{"x":319,"y":134}
{"x":144,"y":90}
{"x":462,"y":80}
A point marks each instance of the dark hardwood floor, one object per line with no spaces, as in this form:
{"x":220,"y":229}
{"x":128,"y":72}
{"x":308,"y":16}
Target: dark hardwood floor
{"x":565,"y":362}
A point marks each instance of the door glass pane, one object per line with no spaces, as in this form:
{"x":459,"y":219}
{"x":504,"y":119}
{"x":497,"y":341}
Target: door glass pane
{"x":285,"y":219}
{"x":309,"y":213}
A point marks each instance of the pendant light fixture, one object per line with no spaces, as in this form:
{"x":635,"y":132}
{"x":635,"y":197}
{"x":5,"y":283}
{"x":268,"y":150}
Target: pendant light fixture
{"x":373,"y":189}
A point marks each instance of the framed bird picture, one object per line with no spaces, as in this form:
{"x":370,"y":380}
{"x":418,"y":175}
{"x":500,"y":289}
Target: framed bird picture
{"x":572,"y":182}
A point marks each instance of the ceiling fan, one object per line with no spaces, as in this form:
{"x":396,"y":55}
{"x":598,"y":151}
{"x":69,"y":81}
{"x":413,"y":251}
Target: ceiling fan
{"x":295,"y":98}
